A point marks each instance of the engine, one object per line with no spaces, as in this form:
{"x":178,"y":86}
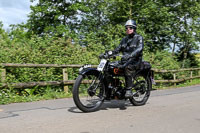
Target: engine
{"x":118,"y":91}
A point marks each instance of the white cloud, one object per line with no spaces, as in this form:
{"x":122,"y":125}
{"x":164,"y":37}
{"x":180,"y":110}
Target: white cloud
{"x":12,"y":16}
{"x":14,"y":11}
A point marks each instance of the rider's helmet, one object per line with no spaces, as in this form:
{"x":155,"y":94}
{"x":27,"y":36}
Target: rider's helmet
{"x":131,"y":23}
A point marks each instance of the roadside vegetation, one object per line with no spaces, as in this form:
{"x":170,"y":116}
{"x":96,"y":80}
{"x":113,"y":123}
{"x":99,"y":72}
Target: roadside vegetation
{"x":77,"y":32}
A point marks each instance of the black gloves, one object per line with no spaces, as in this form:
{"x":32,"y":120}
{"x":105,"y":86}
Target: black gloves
{"x":125,"y":63}
{"x":104,"y":55}
{"x":125,"y":58}
{"x":121,"y":66}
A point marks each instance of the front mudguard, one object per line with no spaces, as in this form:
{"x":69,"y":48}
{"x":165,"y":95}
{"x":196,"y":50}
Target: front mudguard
{"x":89,"y":71}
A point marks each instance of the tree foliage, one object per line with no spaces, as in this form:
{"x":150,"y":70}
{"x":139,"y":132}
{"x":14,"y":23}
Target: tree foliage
{"x":171,"y":24}
{"x":48,"y":15}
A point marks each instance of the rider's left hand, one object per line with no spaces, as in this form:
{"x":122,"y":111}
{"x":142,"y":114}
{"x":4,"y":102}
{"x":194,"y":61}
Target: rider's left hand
{"x":121,"y":66}
{"x":125,"y":57}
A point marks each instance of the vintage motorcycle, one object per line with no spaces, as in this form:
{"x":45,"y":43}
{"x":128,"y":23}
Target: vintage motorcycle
{"x":107,"y":82}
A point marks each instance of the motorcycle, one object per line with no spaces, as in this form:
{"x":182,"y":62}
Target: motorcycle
{"x":107,"y":82}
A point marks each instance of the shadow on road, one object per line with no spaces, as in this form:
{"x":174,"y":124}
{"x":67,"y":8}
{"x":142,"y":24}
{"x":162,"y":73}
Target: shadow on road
{"x":113,"y":104}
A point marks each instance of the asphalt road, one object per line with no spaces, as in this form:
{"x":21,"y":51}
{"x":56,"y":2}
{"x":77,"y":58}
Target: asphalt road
{"x":167,"y":111}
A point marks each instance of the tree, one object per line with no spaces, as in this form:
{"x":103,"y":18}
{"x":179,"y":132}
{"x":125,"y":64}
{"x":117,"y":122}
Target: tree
{"x":4,"y":38}
{"x":164,"y":24}
{"x":47,"y":15}
{"x":187,"y":13}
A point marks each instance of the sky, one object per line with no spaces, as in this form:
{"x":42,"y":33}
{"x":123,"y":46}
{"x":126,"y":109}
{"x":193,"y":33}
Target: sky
{"x":14,"y":12}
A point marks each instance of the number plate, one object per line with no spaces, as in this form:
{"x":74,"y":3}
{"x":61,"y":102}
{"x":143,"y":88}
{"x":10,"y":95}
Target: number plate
{"x":101,"y":65}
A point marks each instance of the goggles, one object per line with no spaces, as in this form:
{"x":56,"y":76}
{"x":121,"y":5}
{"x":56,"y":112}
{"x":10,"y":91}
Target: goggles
{"x":129,"y":27}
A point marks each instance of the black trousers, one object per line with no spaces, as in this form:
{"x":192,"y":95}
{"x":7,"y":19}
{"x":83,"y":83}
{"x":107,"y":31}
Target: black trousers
{"x":128,"y":77}
{"x":128,"y":73}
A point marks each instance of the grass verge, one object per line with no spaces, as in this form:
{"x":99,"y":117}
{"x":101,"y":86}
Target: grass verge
{"x":178,"y":85}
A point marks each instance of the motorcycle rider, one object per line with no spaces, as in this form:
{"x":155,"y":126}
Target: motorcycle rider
{"x":131,"y":47}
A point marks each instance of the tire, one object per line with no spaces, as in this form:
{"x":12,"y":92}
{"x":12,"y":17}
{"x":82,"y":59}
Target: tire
{"x":141,"y":90}
{"x":88,"y":97}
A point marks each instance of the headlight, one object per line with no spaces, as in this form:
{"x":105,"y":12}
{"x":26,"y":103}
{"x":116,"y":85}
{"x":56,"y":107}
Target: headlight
{"x":109,"y":52}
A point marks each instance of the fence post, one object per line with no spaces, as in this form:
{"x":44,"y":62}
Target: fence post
{"x":174,"y":75}
{"x":191,"y":72}
{"x":65,"y":78}
{"x":3,"y":75}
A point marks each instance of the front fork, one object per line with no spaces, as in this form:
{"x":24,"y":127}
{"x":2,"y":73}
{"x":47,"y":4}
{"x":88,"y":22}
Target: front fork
{"x":93,"y":87}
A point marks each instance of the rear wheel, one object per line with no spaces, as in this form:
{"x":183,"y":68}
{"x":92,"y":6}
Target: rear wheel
{"x":141,"y":90}
{"x":88,"y":92}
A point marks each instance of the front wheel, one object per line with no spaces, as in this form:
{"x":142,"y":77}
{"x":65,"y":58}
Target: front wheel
{"x":141,"y":90}
{"x":88,"y":92}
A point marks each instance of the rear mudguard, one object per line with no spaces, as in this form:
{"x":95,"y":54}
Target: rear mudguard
{"x":147,"y":72}
{"x":88,"y":71}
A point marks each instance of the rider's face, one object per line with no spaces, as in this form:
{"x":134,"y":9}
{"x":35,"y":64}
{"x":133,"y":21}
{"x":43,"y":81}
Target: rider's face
{"x":129,"y":30}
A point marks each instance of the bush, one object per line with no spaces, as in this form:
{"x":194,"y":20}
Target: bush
{"x":45,"y":50}
{"x":162,"y":60}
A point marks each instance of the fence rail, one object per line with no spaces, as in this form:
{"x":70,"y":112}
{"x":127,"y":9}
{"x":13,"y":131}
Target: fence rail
{"x":65,"y":82}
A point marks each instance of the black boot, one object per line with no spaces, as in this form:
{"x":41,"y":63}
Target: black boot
{"x":128,"y":94}
{"x":129,"y":83}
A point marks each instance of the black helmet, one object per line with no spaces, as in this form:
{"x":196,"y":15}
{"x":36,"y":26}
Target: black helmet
{"x":131,"y":23}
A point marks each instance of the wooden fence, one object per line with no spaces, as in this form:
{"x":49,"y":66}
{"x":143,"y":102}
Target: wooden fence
{"x":65,"y":82}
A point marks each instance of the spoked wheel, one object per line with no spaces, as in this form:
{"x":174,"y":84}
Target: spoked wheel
{"x":88,"y":93}
{"x":141,"y":90}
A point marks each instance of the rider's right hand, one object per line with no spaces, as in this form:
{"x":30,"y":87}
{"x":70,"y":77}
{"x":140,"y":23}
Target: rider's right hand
{"x":104,"y":55}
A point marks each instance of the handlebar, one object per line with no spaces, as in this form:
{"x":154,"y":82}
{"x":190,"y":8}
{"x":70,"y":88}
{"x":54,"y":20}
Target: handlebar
{"x":107,"y":56}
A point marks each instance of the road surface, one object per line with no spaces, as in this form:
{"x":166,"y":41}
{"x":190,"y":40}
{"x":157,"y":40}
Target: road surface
{"x":167,"y":111}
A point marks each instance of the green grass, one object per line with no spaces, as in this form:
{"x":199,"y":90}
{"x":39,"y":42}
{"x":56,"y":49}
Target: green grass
{"x":178,"y":85}
{"x":190,"y":83}
{"x":11,"y":97}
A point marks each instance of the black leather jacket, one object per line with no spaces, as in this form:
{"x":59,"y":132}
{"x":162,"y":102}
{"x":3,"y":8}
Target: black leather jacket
{"x":131,"y":47}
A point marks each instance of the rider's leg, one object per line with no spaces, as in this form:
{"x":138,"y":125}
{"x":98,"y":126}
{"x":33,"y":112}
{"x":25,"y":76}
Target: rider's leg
{"x":128,"y":86}
{"x":129,"y":83}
